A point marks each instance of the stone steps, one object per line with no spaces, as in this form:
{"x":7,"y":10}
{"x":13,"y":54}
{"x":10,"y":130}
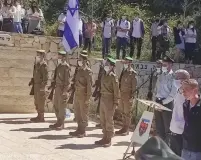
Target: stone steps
{"x":15,"y":90}
{"x":16,"y":72}
{"x":17,"y":63}
{"x":16,"y":100}
{"x":14,"y":82}
{"x":17,"y":109}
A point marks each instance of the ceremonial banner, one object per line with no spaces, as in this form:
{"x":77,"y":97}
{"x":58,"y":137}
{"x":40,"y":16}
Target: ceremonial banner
{"x":141,"y":133}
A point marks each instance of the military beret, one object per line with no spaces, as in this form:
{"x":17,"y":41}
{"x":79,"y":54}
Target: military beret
{"x":84,"y":53}
{"x":156,"y":149}
{"x":111,"y":61}
{"x":159,"y":61}
{"x":129,"y":58}
{"x":62,"y":52}
{"x":168,"y":59}
{"x":40,"y":51}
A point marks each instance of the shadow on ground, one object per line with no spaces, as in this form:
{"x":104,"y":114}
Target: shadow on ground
{"x":32,"y":129}
{"x":87,"y":128}
{"x":77,"y":146}
{"x":52,"y":137}
{"x":122,"y":143}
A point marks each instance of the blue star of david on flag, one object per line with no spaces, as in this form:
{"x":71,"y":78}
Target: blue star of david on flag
{"x":71,"y":31}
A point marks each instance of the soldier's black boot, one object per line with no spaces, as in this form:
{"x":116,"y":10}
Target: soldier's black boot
{"x":75,"y":134}
{"x":59,"y":125}
{"x":107,"y":142}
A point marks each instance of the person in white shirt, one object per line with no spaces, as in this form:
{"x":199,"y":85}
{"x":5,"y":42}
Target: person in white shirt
{"x":35,"y":16}
{"x":137,"y":35}
{"x":190,"y":41}
{"x":61,"y":21}
{"x":177,"y":121}
{"x":18,"y":18}
{"x":165,"y":92}
{"x":107,"y":31}
{"x":123,"y":28}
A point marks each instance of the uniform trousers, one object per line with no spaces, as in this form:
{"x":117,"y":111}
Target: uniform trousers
{"x":39,"y":98}
{"x":107,"y":109}
{"x":81,"y":109}
{"x":60,"y":103}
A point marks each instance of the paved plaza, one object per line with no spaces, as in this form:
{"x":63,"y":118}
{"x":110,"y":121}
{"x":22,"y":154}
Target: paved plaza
{"x":23,"y":140}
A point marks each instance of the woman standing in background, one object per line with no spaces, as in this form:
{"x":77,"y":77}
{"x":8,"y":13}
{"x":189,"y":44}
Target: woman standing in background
{"x":190,"y":42}
{"x":8,"y":11}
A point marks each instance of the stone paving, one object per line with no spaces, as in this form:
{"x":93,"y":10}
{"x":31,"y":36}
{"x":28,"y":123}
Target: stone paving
{"x":22,"y":140}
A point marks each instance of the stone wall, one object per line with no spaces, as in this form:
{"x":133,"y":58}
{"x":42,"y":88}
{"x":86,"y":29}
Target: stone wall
{"x":17,"y":52}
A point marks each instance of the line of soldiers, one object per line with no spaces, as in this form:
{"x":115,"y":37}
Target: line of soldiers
{"x":113,"y":93}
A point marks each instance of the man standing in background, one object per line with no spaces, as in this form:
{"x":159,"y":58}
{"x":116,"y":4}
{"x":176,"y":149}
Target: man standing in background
{"x":165,"y":93}
{"x":123,"y":28}
{"x":154,"y":38}
{"x":137,"y":35}
{"x":107,"y":31}
{"x":90,"y":31}
{"x":61,"y":21}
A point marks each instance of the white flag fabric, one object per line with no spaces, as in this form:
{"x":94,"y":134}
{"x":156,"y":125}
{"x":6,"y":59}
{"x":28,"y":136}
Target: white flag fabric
{"x":71,"y":31}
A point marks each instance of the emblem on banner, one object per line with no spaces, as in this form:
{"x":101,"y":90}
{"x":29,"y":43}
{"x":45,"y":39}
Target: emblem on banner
{"x":143,"y":126}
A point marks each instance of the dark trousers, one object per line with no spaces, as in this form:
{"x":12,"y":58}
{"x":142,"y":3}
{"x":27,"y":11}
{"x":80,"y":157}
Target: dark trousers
{"x":87,"y":44}
{"x":154,"y":42}
{"x":121,"y":44}
{"x":163,"y":119}
{"x":60,"y":33}
{"x":7,"y":25}
{"x":135,"y":41}
{"x":189,"y":51}
{"x":164,"y":45}
{"x":80,"y":40}
{"x":106,"y":42}
{"x":176,"y":143}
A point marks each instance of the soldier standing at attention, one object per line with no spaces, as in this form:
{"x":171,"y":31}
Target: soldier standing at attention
{"x":127,"y":87}
{"x":61,"y":83}
{"x":108,"y":102}
{"x":39,"y":82}
{"x":83,"y":92}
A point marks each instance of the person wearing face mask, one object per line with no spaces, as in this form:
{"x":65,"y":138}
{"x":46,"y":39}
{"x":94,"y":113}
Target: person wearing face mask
{"x":137,"y":33}
{"x":83,"y":92}
{"x":61,"y":22}
{"x":96,"y":94}
{"x":128,"y":83}
{"x":192,"y":116}
{"x":154,"y":38}
{"x":39,"y":82}
{"x":177,"y":121}
{"x":123,"y":28}
{"x":179,"y":40}
{"x":110,"y":95}
{"x":164,"y":37}
{"x":107,"y":31}
{"x":62,"y":84}
{"x":190,"y":42}
{"x":165,"y":92}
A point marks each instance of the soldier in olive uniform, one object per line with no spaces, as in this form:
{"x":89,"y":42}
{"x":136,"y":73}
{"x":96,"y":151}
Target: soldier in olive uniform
{"x":127,"y":86}
{"x":83,"y":92}
{"x":109,"y":101}
{"x":39,"y":82}
{"x":62,"y":83}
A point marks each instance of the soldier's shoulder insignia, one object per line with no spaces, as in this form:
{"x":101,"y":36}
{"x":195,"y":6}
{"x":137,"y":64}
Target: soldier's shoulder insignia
{"x":133,"y":71}
{"x":44,"y":64}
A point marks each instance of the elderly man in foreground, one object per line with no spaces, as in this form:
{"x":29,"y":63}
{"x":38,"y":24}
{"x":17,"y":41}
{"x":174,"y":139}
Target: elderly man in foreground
{"x":177,"y":122}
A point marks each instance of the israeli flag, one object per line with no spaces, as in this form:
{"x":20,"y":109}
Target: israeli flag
{"x":71,"y":31}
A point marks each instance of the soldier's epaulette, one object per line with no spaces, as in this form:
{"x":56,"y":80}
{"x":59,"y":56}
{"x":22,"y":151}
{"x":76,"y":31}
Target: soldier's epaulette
{"x":66,"y":64}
